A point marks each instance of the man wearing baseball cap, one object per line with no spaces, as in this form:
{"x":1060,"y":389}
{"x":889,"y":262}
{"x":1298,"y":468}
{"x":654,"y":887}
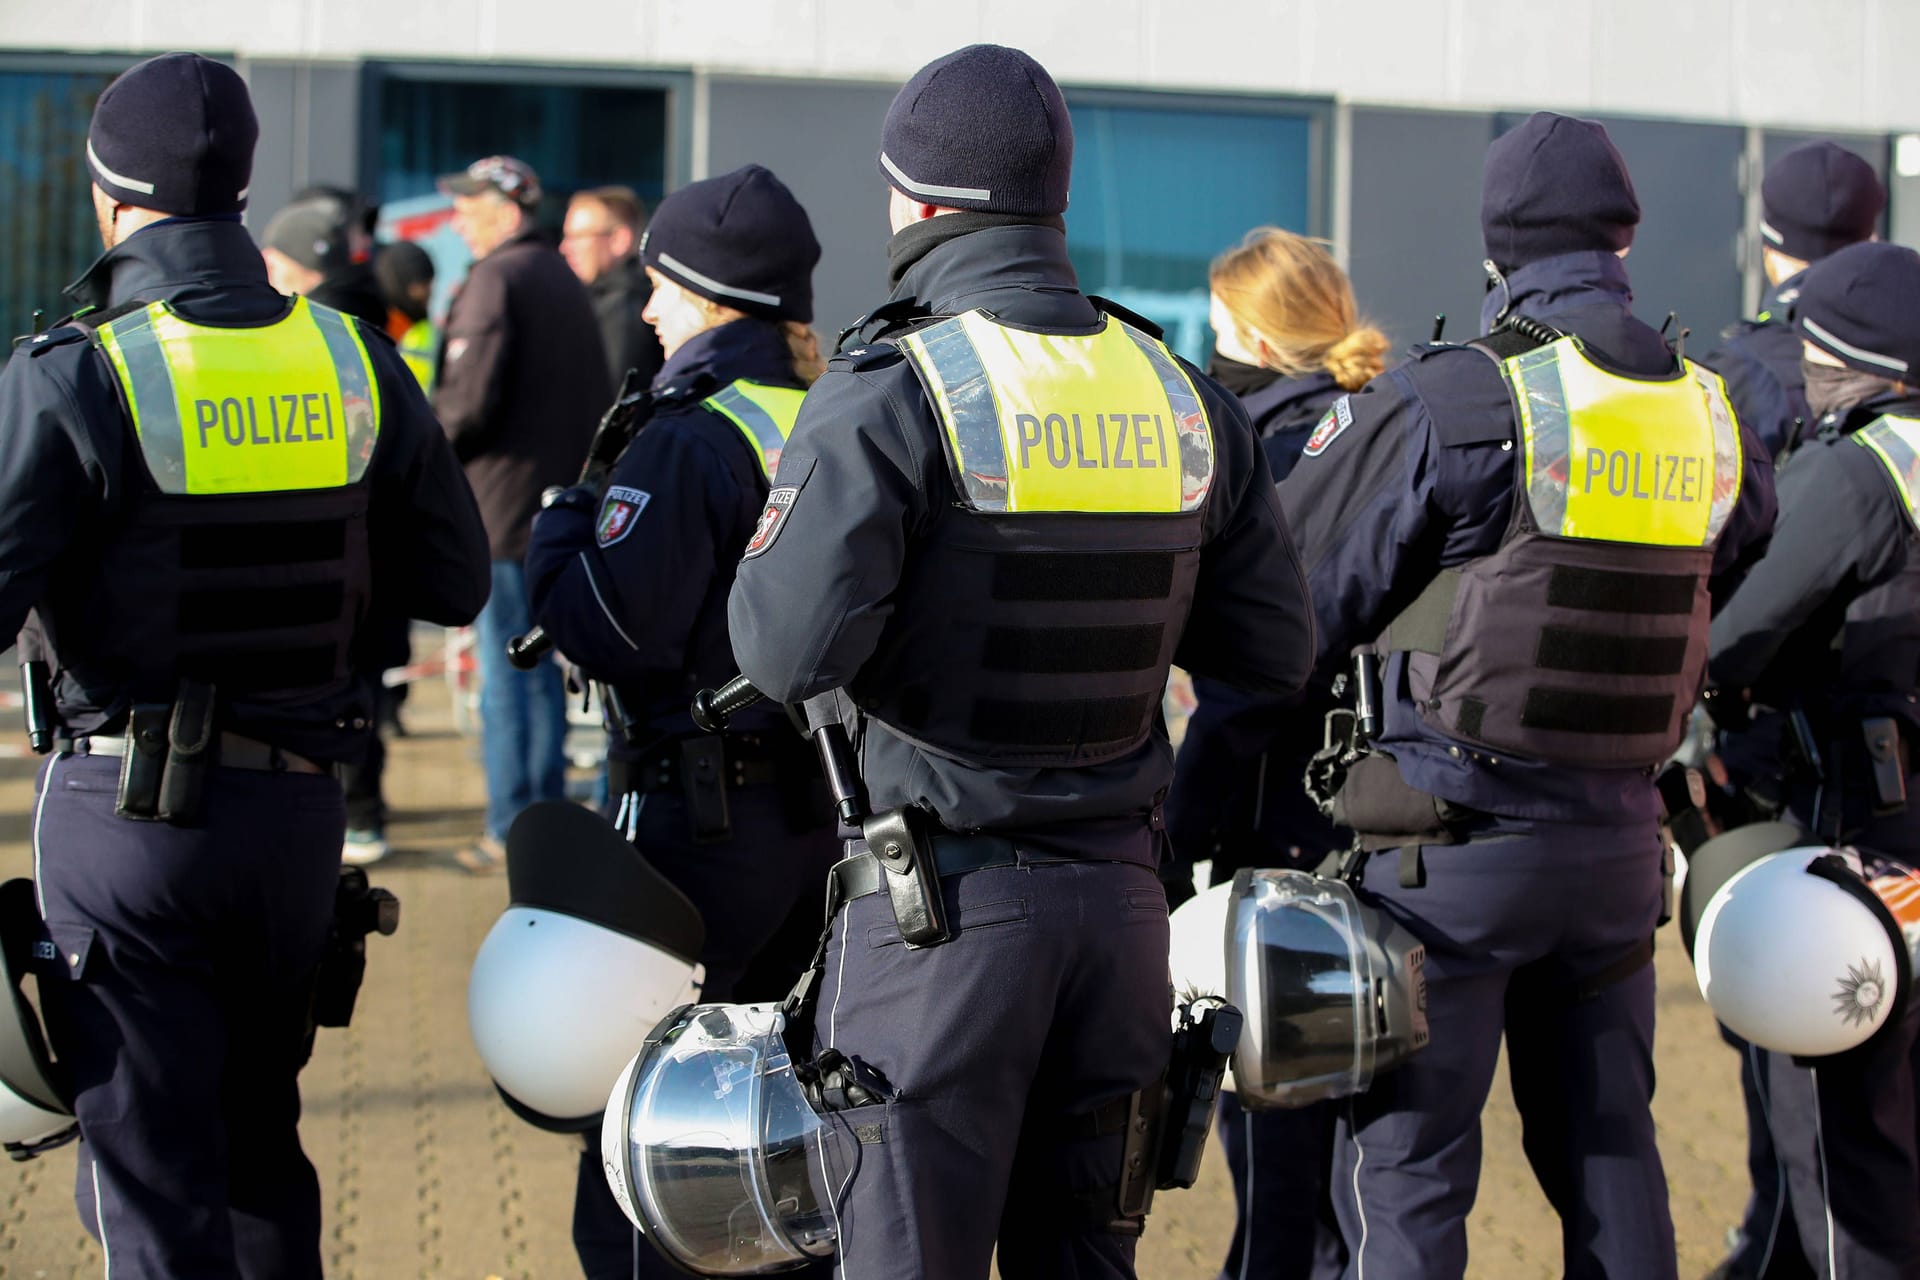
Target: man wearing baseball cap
{"x":996,"y":521}
{"x":198,"y":480}
{"x":1815,"y":199}
{"x":522,"y":380}
{"x":1828,"y":625}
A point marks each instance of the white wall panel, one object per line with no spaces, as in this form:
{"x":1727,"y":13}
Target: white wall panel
{"x":1808,"y":63}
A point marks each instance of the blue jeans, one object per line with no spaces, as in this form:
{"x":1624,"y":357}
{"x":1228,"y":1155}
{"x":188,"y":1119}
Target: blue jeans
{"x":523,"y":714}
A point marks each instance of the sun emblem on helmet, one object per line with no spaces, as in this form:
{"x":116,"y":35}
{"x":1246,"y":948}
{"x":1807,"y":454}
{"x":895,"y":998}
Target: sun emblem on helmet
{"x":1861,"y":993}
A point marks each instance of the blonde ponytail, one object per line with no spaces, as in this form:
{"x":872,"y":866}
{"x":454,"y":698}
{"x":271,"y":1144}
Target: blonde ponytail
{"x":1286,"y":290}
{"x":803,"y":349}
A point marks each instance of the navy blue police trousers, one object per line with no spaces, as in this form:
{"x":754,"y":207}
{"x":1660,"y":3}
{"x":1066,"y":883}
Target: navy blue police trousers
{"x":1520,"y":924}
{"x":761,"y":893}
{"x":1285,"y":1228}
{"x":1051,"y":999}
{"x":189,"y":954}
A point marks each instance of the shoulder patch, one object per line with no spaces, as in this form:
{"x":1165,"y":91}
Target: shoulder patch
{"x":773,"y":518}
{"x":618,"y":512}
{"x":1338,"y":417}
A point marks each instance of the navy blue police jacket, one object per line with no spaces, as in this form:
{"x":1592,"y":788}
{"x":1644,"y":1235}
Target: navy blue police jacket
{"x":632,"y":585}
{"x":1760,"y":361}
{"x":1237,"y":796}
{"x":1843,"y":532}
{"x":1418,"y":475}
{"x":69,"y":460}
{"x":866,"y":458}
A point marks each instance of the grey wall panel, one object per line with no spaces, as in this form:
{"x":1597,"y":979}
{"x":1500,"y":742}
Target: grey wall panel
{"x":1413,"y":243}
{"x":821,"y":139}
{"x":1685,"y":255}
{"x":309,"y":130}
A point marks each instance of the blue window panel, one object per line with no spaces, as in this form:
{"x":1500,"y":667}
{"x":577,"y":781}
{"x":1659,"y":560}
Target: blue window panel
{"x":574,"y":136}
{"x":1159,"y":192}
{"x":51,"y":234}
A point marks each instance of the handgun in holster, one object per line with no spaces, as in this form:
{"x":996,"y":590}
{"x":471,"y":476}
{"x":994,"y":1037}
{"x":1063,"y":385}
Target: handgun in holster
{"x":1168,"y":1122}
{"x":902,"y":840}
{"x":1882,"y":737}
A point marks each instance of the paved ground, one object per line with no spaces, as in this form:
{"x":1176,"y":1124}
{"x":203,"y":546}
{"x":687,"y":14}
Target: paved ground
{"x":426,"y":1175}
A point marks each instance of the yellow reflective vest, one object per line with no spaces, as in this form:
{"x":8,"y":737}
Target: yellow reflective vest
{"x":220,"y":410}
{"x":765,"y":415}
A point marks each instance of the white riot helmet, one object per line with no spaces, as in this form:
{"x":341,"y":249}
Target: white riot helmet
{"x":35,"y":1107}
{"x":594,"y":947}
{"x":712,"y":1150}
{"x":1798,"y":954}
{"x":1333,"y":991}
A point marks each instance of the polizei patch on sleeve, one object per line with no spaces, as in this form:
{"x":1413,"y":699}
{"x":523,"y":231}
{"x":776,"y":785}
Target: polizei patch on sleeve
{"x":1337,"y":419}
{"x":772,"y":519}
{"x":618,"y":512}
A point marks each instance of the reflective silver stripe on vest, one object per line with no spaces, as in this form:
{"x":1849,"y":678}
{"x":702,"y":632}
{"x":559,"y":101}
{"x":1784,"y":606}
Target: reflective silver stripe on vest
{"x":356,"y":395}
{"x":1897,"y":442}
{"x":766,"y":432}
{"x":1726,"y":452}
{"x":1550,"y":434}
{"x":974,"y":414}
{"x":151,"y":383}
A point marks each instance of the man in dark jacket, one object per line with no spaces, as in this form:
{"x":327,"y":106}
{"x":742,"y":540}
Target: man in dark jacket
{"x":522,"y":380}
{"x":601,"y":242}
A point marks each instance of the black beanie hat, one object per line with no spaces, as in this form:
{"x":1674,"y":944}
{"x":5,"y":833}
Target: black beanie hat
{"x":1817,"y":198}
{"x":175,"y":134}
{"x":1861,"y":305}
{"x":1555,"y":185}
{"x":982,"y":128}
{"x":740,"y":240}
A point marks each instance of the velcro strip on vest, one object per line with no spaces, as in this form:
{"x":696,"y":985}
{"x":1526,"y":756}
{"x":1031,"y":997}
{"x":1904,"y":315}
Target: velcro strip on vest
{"x":1618,"y":591}
{"x":1569,"y":711}
{"x":1896,"y":442}
{"x":1071,"y":650}
{"x":236,"y":609}
{"x":1060,"y":724}
{"x":1595,"y":652}
{"x":1105,"y":422}
{"x":270,"y":669}
{"x":1120,"y":575}
{"x":251,"y":545}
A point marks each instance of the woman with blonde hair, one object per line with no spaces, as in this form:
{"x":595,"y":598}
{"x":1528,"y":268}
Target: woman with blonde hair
{"x":1289,"y":340}
{"x":1290,"y":343}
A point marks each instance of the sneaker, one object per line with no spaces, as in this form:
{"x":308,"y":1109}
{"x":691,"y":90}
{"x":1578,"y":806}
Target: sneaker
{"x":484,"y":856}
{"x":363,"y":847}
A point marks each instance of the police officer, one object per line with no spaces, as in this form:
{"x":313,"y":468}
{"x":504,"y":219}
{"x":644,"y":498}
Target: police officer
{"x":996,"y":524}
{"x":1826,"y":630}
{"x":1815,"y":199}
{"x":632,"y":584}
{"x":1539,"y":583}
{"x":204,"y":487}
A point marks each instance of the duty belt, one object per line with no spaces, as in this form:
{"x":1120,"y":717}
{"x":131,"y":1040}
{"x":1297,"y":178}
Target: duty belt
{"x":748,"y":764}
{"x":862,"y":874}
{"x":236,"y":752}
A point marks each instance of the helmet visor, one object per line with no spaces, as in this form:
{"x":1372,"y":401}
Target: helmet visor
{"x":724,"y":1154}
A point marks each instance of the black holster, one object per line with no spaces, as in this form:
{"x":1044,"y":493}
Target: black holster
{"x":703,"y":781}
{"x":170,"y":747}
{"x":902,"y":839}
{"x":1385,"y":812}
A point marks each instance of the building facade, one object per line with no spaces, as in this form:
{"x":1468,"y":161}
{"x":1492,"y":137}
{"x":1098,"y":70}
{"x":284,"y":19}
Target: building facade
{"x":1362,"y":123}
